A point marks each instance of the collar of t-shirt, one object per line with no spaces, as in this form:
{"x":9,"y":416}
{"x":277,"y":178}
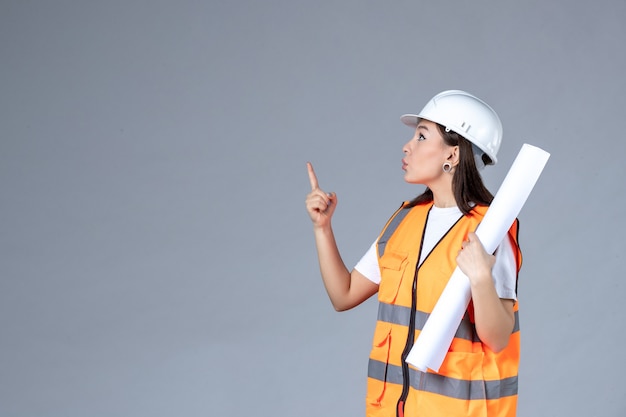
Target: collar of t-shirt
{"x":440,"y":220}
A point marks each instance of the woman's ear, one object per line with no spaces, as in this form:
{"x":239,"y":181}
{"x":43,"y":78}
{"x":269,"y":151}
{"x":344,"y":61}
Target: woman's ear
{"x":453,"y":158}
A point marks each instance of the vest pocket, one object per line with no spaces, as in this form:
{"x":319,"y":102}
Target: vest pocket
{"x":392,"y":266}
{"x":463,"y":366}
{"x":378,"y":372}
{"x":469,"y":390}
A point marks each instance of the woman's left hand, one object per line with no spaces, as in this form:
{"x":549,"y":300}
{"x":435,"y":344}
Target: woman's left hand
{"x":474,"y":261}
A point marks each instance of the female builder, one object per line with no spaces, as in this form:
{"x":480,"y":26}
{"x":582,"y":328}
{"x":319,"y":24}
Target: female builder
{"x":409,"y":264}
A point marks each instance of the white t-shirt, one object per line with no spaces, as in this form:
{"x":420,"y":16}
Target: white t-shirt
{"x":440,"y":220}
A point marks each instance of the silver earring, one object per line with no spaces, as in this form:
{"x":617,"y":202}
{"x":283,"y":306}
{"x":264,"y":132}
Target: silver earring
{"x":447,"y":167}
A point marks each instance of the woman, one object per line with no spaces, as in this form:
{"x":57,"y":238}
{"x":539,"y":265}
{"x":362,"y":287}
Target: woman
{"x":409,"y":264}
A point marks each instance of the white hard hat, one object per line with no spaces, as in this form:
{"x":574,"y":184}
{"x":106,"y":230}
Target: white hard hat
{"x":466,"y":115}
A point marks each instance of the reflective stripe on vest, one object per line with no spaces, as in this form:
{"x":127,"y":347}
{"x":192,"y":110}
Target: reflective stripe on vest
{"x":401,"y":315}
{"x":439,"y":384}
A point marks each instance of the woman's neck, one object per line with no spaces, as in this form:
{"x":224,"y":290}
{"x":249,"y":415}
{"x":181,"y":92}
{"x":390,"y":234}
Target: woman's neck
{"x":443,"y":197}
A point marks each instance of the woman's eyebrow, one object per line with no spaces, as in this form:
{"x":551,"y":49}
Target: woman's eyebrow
{"x":423,"y":127}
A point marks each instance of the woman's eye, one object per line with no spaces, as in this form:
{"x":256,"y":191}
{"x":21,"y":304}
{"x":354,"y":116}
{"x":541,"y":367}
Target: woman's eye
{"x":421,"y":138}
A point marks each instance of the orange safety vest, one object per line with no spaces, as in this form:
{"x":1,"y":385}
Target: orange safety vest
{"x":473,"y":380}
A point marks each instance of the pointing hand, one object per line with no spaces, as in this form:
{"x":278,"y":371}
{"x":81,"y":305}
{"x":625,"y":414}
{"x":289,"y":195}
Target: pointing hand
{"x":319,"y":205}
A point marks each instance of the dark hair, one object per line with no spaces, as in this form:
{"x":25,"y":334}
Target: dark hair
{"x":467,"y":184}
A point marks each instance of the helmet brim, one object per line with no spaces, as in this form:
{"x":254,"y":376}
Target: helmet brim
{"x":410,"y":119}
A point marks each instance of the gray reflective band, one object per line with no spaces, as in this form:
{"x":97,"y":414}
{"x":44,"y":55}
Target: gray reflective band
{"x":401,"y":315}
{"x":391,"y":227}
{"x":439,"y":384}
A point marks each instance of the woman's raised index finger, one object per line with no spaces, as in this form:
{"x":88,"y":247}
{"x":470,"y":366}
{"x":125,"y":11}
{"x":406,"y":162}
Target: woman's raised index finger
{"x":312,"y":177}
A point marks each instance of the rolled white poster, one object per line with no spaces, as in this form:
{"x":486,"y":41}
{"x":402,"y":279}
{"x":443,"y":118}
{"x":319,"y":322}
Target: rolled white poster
{"x":433,"y":342}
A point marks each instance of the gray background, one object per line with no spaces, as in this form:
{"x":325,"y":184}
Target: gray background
{"x":157,"y":259}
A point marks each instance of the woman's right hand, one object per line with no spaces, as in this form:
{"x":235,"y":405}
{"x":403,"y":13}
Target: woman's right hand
{"x":319,"y":205}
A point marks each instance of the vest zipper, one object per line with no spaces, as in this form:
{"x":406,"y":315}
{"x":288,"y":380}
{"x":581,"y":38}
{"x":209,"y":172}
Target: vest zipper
{"x":410,"y":340}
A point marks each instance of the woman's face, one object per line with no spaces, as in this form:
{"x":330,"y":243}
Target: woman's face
{"x":425,"y":154}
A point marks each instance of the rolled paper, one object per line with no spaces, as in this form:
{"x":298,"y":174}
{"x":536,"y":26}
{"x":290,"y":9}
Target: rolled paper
{"x":432,"y":344}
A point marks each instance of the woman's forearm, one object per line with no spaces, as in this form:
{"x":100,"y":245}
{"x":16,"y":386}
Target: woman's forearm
{"x":335,"y":275}
{"x":493,"y":316}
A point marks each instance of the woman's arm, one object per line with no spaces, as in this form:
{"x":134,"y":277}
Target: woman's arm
{"x":494,"y":316}
{"x":345,"y":289}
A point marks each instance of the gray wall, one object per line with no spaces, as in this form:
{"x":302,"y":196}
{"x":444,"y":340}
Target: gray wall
{"x":157,"y":259}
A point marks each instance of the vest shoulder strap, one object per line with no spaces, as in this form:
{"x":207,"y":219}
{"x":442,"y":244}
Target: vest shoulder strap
{"x":391,"y":226}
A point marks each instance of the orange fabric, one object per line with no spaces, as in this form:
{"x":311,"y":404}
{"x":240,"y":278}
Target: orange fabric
{"x":468,"y":361}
